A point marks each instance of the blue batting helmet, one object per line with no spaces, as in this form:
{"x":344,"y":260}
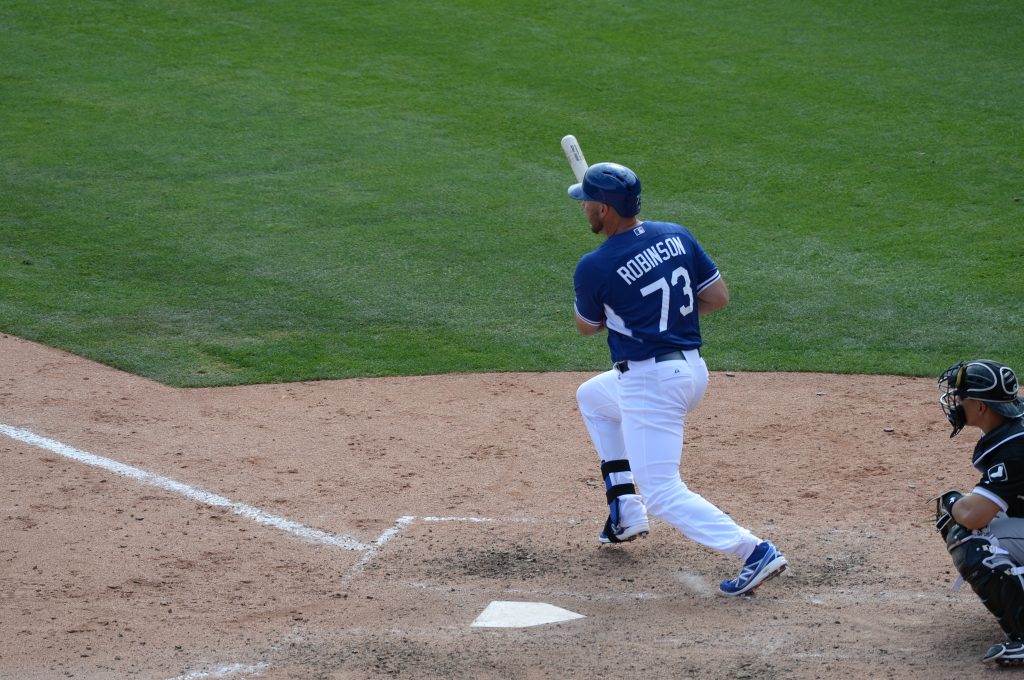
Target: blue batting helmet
{"x":611,"y":184}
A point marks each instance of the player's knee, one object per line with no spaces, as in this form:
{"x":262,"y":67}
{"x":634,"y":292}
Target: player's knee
{"x":658,"y":497}
{"x":992,"y":574}
{"x":592,"y":399}
{"x":583,"y":395}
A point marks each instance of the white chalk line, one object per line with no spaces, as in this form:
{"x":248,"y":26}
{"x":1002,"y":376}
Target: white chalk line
{"x":199,"y":495}
{"x":251,"y":670}
{"x":255,"y":514}
{"x":508,"y":520}
{"x":372,"y":551}
{"x":214,"y":500}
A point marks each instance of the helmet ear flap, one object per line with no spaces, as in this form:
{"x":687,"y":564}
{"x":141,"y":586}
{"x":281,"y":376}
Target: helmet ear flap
{"x":1008,"y":379}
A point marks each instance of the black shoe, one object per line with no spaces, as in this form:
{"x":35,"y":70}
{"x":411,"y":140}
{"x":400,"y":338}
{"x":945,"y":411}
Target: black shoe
{"x":1009,"y":653}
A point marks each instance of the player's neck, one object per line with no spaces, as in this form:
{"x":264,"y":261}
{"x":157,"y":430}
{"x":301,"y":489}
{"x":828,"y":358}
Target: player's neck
{"x":619,"y":226}
{"x":992,"y":422}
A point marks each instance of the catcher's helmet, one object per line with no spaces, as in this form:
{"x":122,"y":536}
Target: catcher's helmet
{"x":984,"y":380}
{"x":611,"y":184}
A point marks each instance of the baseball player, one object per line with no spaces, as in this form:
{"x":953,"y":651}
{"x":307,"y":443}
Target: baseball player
{"x":984,"y":529}
{"x":647,"y":284}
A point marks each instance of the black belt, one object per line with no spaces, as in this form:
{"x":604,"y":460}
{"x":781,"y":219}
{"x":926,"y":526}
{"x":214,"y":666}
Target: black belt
{"x":623,"y":366}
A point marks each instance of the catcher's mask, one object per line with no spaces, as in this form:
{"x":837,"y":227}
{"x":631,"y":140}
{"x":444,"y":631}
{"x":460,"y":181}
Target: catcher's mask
{"x":984,"y":380}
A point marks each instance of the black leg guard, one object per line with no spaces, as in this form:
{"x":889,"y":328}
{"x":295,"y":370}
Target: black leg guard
{"x":993,"y":576}
{"x":612,"y":493}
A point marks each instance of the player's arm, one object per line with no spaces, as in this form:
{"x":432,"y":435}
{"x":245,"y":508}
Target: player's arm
{"x":587,"y":305}
{"x":713,"y":298}
{"x":587,"y":328}
{"x":974,"y":511}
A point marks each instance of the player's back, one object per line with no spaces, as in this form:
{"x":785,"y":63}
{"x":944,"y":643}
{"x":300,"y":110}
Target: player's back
{"x":648,"y":278}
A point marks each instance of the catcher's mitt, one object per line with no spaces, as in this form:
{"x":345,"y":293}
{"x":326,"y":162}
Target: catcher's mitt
{"x":944,"y":510}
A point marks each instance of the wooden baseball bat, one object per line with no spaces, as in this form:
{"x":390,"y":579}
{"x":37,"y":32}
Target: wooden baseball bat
{"x":575,"y":156}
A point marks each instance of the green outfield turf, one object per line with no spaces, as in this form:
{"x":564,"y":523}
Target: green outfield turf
{"x":234,"y":192}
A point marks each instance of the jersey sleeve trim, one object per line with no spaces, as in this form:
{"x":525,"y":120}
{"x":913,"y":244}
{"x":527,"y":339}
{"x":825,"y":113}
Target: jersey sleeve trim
{"x":595,"y":324}
{"x":714,"y":277}
{"x":982,"y":491}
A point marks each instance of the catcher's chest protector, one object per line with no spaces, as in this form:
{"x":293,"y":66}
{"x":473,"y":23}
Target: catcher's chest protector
{"x":993,"y":576}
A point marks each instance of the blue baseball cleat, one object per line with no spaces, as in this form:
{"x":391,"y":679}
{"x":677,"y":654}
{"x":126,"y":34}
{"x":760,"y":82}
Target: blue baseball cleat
{"x":766,"y":562}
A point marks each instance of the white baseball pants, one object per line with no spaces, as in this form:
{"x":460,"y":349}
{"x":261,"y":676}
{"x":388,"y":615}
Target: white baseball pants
{"x":639,"y":415}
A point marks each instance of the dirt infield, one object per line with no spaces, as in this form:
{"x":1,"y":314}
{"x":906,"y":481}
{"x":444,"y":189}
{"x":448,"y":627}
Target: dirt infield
{"x":356,"y":529}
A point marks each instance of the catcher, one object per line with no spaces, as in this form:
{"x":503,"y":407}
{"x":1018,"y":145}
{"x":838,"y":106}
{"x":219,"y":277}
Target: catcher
{"x":984,"y":529}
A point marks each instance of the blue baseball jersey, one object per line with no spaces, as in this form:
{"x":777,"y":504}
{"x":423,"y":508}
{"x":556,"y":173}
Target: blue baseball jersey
{"x":643,"y":284}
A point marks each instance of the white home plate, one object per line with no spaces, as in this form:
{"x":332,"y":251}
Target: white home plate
{"x":499,"y":614}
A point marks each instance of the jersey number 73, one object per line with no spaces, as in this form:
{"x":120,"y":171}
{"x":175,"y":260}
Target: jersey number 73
{"x":663,"y":285}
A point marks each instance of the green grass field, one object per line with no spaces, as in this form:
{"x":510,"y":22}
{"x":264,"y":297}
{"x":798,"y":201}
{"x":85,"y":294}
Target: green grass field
{"x":248,"y":192}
